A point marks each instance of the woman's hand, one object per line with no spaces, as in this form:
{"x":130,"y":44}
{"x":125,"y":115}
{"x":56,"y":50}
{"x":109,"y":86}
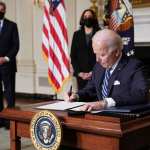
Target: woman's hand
{"x":85,"y":75}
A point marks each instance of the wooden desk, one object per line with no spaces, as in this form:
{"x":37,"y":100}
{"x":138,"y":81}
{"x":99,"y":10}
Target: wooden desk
{"x":89,"y":132}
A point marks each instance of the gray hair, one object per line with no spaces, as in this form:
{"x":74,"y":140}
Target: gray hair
{"x":110,"y":38}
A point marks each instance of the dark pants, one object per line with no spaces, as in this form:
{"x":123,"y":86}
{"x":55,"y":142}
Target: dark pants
{"x":7,"y":87}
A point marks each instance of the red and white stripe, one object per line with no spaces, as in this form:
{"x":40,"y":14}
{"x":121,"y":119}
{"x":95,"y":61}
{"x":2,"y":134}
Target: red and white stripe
{"x":55,"y":44}
{"x":113,"y":24}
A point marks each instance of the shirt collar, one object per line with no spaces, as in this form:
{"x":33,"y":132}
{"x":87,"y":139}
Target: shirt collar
{"x":115,"y":65}
{"x":1,"y":22}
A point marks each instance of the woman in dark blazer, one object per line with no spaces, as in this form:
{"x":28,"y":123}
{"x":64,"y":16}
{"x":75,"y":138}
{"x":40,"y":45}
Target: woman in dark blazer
{"x":82,"y":56}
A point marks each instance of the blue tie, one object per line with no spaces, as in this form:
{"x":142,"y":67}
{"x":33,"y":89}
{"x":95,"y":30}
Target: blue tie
{"x":105,"y":83}
{"x":0,"y":26}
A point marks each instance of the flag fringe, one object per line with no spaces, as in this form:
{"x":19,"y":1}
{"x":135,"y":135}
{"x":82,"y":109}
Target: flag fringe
{"x":63,"y":83}
{"x":44,"y":56}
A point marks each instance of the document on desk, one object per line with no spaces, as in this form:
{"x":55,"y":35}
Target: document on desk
{"x":61,"y":105}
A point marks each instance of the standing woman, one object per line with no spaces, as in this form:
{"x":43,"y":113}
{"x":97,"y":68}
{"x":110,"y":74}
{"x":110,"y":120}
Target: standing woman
{"x":82,"y":56}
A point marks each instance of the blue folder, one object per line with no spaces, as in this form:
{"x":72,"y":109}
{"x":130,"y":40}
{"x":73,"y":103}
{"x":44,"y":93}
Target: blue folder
{"x":129,"y":109}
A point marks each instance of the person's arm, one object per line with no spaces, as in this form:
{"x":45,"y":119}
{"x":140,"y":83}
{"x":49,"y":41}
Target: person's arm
{"x":132,"y":92}
{"x":98,"y":105}
{"x":136,"y":91}
{"x":74,"y":53}
{"x":88,"y":93}
{"x":15,"y":44}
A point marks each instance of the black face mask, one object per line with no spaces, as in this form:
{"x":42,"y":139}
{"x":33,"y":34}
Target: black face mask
{"x":2,"y":15}
{"x":88,"y":22}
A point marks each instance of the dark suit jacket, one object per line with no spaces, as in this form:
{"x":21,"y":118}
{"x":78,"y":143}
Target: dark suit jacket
{"x":9,"y":44}
{"x":82,"y":57}
{"x":129,"y":73}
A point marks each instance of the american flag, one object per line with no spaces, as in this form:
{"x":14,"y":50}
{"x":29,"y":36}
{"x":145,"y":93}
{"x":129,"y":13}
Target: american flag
{"x":55,"y":43}
{"x":119,"y":16}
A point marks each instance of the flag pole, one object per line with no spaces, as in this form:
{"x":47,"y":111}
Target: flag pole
{"x":55,"y":96}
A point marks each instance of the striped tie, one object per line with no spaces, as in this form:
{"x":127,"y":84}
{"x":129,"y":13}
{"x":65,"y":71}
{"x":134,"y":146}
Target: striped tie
{"x":0,"y":26}
{"x":105,"y":83}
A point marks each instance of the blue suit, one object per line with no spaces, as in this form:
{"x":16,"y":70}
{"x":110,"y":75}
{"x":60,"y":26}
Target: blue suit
{"x":127,"y":84}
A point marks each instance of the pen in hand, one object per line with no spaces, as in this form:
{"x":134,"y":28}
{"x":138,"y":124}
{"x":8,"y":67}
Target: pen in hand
{"x":70,"y":91}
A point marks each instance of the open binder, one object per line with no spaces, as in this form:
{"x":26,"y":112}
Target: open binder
{"x":128,"y":111}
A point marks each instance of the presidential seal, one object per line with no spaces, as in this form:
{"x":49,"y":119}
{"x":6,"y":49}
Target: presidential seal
{"x":45,"y":131}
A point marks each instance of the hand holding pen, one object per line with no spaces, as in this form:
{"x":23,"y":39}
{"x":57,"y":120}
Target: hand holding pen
{"x":70,"y":91}
{"x":71,"y":96}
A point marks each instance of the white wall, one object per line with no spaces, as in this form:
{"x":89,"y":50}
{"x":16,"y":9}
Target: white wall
{"x":142,"y":24}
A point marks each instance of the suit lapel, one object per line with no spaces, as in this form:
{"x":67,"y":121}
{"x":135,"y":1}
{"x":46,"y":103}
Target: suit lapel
{"x":4,"y":27}
{"x":99,"y":78}
{"x":115,"y":74}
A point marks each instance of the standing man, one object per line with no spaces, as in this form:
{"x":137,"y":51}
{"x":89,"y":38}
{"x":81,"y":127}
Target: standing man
{"x":9,"y":46}
{"x":117,"y":80}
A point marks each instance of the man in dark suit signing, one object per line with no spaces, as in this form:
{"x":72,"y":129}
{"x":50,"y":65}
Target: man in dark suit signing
{"x":9,"y":46}
{"x":116,"y":80}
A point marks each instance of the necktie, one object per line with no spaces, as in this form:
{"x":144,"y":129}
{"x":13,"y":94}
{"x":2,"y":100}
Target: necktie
{"x":0,"y":26}
{"x":105,"y":83}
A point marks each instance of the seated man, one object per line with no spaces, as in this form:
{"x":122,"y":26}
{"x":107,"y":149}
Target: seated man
{"x":117,"y":80}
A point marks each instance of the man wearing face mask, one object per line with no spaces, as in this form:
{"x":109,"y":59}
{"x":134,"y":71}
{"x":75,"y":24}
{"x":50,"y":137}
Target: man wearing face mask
{"x":9,"y":46}
{"x":82,"y":56}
